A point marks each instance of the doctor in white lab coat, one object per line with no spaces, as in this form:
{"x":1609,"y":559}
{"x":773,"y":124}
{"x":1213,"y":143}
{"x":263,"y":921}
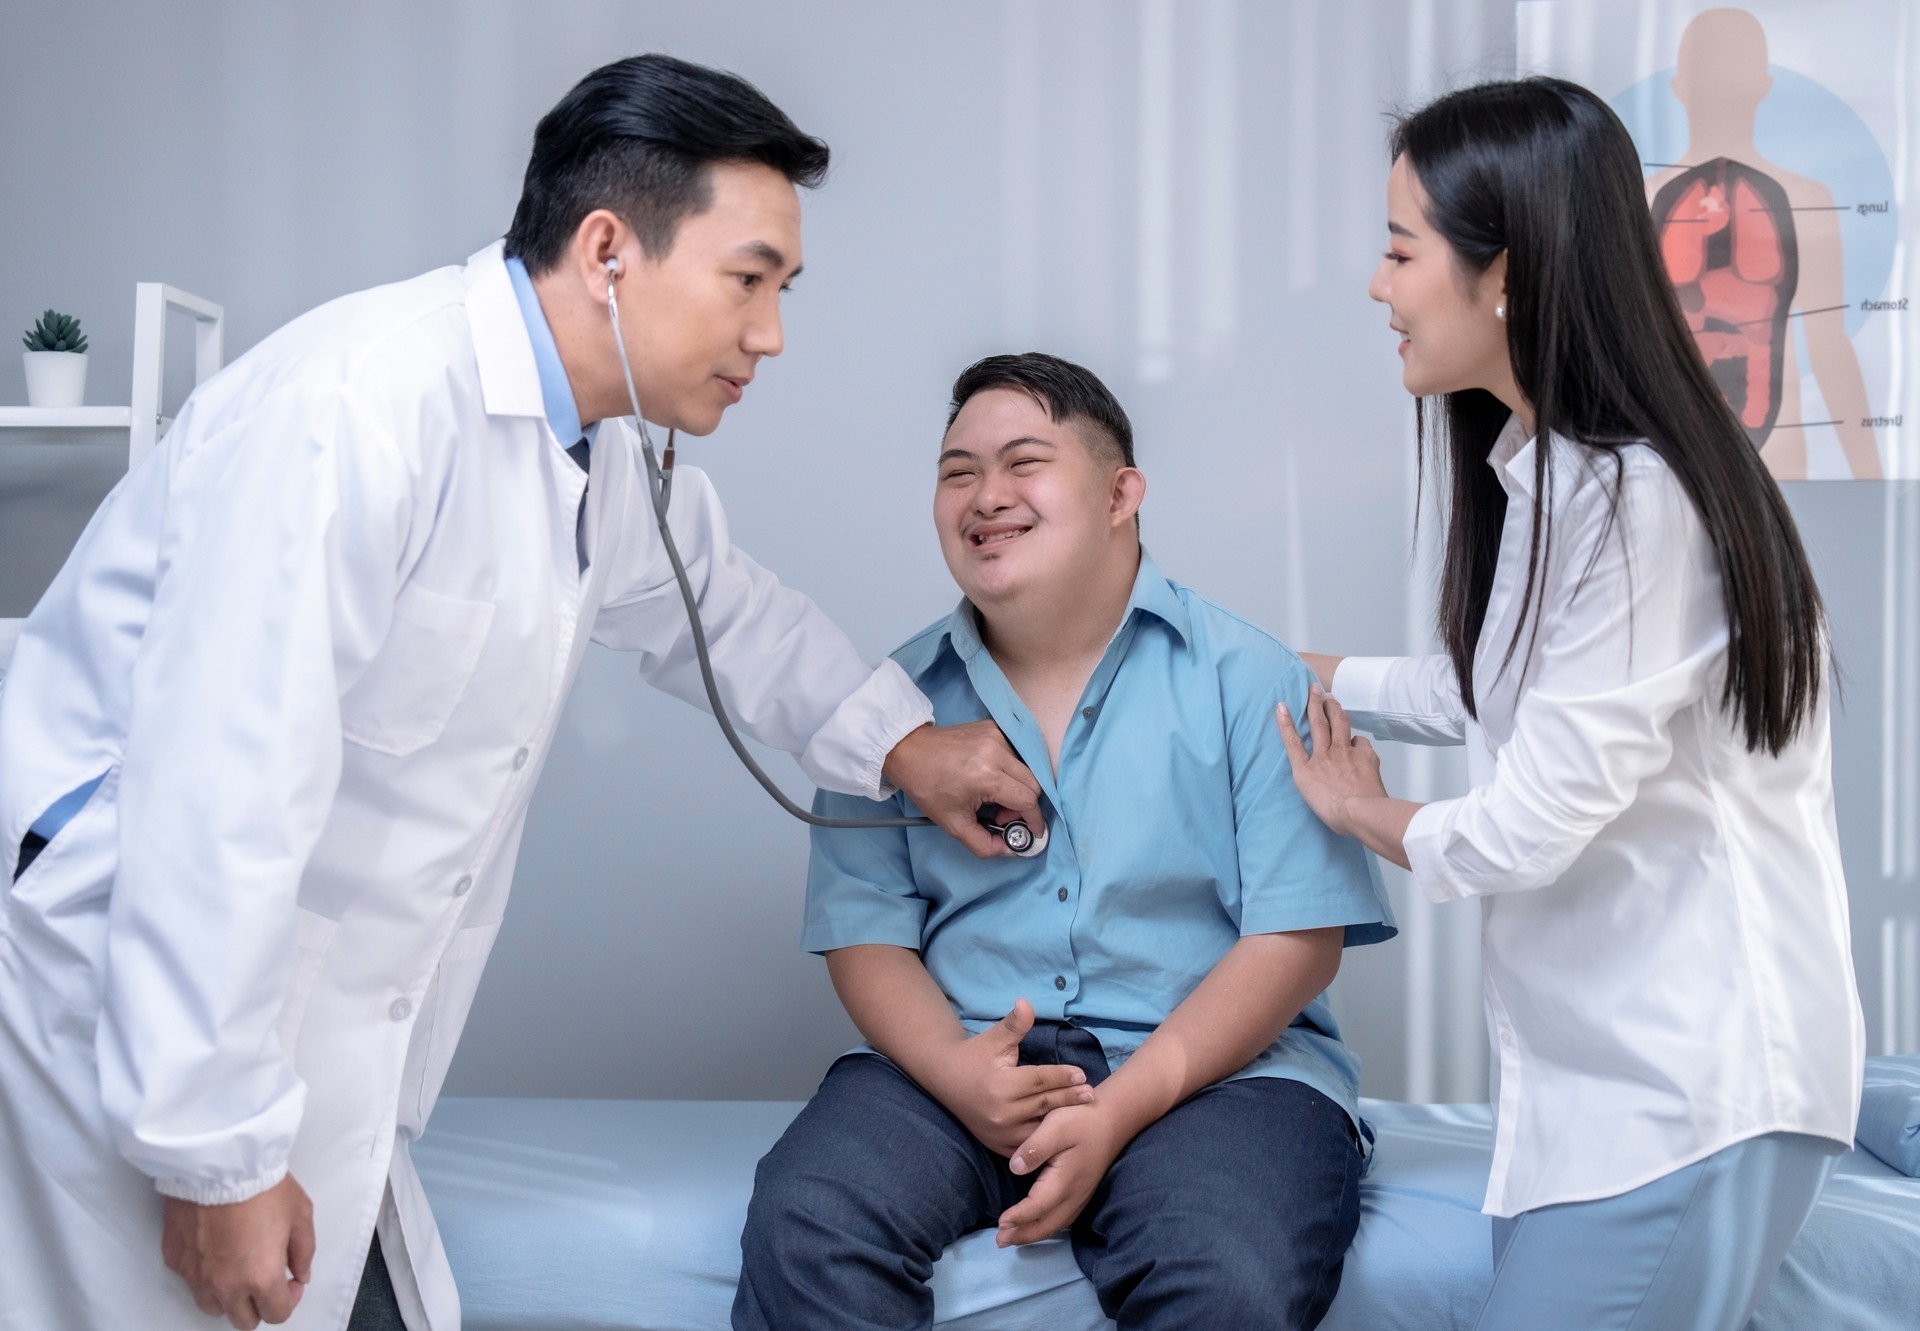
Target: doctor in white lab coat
{"x":266,"y":745}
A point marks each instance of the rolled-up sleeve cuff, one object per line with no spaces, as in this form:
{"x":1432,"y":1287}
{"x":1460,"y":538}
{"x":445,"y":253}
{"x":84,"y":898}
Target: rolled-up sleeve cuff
{"x":1407,"y":698}
{"x":847,"y":753}
{"x":1359,"y":682}
{"x":203,"y":1193}
{"x":1311,"y":912}
{"x":1424,"y":843}
{"x":896,"y":926}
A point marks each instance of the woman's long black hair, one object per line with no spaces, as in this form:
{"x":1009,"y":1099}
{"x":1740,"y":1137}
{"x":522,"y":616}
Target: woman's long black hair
{"x":1542,"y":171}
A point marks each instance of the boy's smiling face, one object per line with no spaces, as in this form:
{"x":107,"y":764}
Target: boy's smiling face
{"x":1022,"y":503}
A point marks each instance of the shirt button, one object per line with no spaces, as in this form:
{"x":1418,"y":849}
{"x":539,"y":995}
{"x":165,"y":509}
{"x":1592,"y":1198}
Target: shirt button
{"x":400,"y":1010}
{"x":460,"y":888}
{"x":519,"y":760}
{"x":1506,"y":1039}
{"x":1087,"y":712}
{"x":1059,"y":982}
{"x":1063,"y":894}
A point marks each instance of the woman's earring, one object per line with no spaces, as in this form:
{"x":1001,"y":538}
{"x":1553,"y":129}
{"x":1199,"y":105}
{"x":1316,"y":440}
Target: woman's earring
{"x":1500,"y":312}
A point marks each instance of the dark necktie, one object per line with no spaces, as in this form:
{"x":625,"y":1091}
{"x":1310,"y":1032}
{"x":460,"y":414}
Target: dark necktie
{"x":580,"y":456}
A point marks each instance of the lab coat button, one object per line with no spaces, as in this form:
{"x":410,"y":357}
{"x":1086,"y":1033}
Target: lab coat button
{"x":1063,"y":894}
{"x":460,"y":888}
{"x":401,"y":1009}
{"x":1059,"y":982}
{"x":519,"y":760}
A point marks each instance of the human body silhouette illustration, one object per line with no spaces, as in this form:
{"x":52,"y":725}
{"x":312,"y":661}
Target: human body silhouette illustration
{"x":1751,"y":247}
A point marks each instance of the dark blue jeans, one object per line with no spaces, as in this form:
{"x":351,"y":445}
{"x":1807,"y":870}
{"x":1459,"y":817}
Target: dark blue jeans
{"x":375,"y":1307}
{"x":1234,"y":1211}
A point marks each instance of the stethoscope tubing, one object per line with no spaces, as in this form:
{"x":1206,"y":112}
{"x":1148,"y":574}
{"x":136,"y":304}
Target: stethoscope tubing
{"x":660,"y":484}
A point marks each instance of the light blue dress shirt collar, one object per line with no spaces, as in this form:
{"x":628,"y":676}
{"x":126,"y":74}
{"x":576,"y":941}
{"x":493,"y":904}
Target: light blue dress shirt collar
{"x":1151,"y":593}
{"x":556,"y":394}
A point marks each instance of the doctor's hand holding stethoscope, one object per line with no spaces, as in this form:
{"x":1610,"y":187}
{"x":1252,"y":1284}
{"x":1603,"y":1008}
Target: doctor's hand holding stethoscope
{"x":1635,"y":657}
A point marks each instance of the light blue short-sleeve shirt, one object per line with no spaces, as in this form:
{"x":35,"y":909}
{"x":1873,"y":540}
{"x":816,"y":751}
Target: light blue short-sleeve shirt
{"x":1175,"y":829}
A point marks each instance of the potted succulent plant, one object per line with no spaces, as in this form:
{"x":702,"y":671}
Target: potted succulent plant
{"x":56,"y":360}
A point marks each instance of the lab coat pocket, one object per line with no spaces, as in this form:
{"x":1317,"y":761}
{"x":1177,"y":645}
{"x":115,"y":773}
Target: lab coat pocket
{"x":402,"y":702}
{"x":315,"y":935}
{"x":443,"y":1016}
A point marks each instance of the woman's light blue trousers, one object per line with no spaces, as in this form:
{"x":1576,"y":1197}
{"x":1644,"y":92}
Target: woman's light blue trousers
{"x":1693,"y":1251}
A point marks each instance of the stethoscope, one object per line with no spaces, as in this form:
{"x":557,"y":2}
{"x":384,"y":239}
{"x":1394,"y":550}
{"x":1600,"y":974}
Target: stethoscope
{"x":1020,"y":838}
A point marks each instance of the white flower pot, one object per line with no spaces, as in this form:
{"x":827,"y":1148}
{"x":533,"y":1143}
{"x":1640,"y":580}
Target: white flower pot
{"x":56,"y":378}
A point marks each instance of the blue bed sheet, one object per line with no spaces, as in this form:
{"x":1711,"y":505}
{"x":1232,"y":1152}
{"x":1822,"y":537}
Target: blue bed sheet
{"x":565,"y":1215}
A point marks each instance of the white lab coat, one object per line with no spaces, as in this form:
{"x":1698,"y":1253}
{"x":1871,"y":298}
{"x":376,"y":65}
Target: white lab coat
{"x":319,"y":643}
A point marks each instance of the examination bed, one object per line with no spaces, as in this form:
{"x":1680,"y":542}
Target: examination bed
{"x":574,"y":1214}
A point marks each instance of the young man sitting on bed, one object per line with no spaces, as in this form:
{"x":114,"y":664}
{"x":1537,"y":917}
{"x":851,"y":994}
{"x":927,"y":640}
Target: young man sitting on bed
{"x":1181,"y":1102}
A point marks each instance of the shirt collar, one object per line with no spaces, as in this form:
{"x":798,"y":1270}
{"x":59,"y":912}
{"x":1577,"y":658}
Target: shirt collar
{"x":1152,"y":594}
{"x":555,"y":392}
{"x":1511,"y":458}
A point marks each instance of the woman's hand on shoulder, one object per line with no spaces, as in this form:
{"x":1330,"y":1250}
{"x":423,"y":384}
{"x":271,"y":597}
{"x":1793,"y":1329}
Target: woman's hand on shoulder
{"x":1339,"y":767}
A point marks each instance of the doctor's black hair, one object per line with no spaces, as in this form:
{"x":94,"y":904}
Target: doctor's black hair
{"x":1541,"y":170}
{"x":637,"y":137}
{"x":1071,"y":395}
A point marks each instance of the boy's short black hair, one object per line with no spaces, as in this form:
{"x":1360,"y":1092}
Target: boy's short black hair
{"x":638,"y":137}
{"x":1071,"y":395}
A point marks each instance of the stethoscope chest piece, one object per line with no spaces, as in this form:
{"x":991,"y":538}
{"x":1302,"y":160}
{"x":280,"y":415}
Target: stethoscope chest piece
{"x":1020,"y":839}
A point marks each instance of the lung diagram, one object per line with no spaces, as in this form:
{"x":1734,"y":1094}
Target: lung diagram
{"x":1726,"y":234}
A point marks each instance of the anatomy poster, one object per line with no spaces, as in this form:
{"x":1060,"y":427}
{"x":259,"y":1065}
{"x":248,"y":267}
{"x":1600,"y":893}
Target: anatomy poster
{"x":1777,"y":137}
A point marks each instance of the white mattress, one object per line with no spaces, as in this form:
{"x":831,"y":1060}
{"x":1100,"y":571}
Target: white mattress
{"x":625,"y":1215}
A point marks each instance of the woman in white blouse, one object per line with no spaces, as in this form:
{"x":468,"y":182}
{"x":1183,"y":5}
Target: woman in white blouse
{"x":1636,"y":661}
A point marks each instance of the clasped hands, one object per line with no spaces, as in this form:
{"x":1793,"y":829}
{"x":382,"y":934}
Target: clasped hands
{"x":1044,"y":1118}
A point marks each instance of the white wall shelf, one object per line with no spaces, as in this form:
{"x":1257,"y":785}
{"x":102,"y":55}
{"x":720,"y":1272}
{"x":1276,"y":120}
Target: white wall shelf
{"x":65,"y":418}
{"x":142,"y":420}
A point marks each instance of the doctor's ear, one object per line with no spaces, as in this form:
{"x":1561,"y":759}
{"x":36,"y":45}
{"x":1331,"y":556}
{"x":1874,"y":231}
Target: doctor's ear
{"x":602,"y":246}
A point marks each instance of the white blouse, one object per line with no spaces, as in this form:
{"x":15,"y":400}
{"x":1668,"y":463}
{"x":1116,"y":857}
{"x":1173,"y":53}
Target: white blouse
{"x":1665,"y":932}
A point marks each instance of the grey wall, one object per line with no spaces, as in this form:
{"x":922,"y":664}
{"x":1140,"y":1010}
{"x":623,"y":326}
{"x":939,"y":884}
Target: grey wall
{"x":1186,"y":197}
